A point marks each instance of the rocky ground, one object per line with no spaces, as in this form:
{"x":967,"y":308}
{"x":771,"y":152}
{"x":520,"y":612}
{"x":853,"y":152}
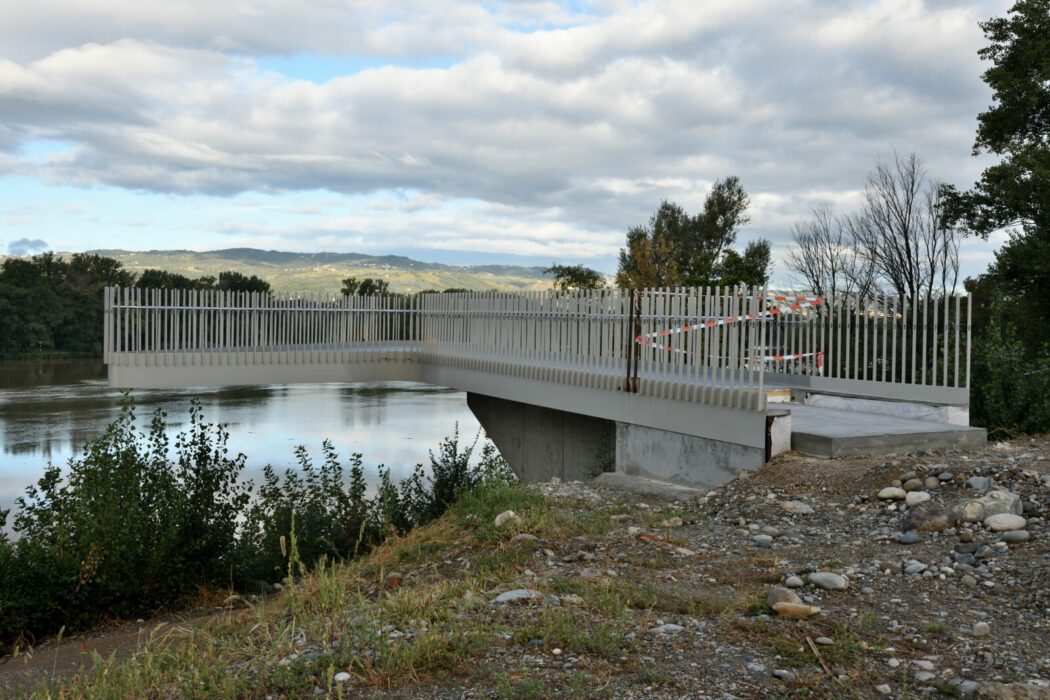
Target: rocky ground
{"x":920,"y":575}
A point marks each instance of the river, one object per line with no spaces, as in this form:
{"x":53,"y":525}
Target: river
{"x":50,"y":409}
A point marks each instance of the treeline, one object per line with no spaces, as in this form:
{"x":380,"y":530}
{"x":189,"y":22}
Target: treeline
{"x":53,"y":304}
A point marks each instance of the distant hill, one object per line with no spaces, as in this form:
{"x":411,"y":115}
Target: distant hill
{"x":324,"y":272}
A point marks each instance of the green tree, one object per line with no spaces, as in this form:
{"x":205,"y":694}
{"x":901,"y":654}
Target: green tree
{"x":364,"y":287}
{"x":162,"y":279}
{"x":238,"y":282}
{"x":676,"y":248}
{"x":568,"y":277}
{"x":1015,"y":192}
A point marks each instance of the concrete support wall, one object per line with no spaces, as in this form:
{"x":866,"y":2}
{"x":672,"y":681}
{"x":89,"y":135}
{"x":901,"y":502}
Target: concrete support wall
{"x":683,"y":459}
{"x":539,"y":442}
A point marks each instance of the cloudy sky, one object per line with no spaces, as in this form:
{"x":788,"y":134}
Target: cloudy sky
{"x":518,"y":131}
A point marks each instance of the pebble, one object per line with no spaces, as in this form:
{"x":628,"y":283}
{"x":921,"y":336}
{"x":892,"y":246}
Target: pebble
{"x":756,"y":667}
{"x":794,"y":582}
{"x":828,"y":581}
{"x":981,"y":629}
{"x":668,"y":628}
{"x":507,"y":516}
{"x":1001,"y":522}
{"x":979,"y":483}
{"x":909,"y":538}
{"x":893,"y":493}
{"x":916,"y":497}
{"x":784,"y":674}
{"x":341,"y":677}
{"x":518,"y":595}
{"x":912,"y":485}
{"x":824,"y":641}
{"x":762,"y":541}
{"x":797,"y":507}
{"x":914,"y":568}
{"x":781,"y":595}
{"x":884,"y":689}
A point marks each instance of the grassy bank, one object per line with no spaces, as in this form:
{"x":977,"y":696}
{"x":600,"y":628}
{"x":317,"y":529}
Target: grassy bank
{"x":141,"y":523}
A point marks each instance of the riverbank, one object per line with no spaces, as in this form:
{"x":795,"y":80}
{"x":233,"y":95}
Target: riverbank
{"x":592,"y":592}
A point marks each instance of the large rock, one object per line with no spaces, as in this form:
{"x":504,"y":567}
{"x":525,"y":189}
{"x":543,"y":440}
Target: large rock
{"x":966,"y":511}
{"x":1000,"y":501}
{"x":928,"y":516}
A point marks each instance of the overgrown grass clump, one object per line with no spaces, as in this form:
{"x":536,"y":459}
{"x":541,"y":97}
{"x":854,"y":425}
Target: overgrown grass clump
{"x":136,"y":525}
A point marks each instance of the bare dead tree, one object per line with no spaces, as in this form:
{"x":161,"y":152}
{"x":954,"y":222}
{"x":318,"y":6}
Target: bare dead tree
{"x":899,"y":230}
{"x":826,"y":258}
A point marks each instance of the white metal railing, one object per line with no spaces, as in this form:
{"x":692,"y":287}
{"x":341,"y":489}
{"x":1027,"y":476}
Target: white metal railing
{"x":715,"y":345}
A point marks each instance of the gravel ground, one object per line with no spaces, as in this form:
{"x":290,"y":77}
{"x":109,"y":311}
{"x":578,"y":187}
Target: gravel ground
{"x":952,"y":608}
{"x":922,"y":575}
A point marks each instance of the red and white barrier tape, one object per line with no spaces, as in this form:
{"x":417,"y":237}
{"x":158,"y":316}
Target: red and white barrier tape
{"x":800,"y":303}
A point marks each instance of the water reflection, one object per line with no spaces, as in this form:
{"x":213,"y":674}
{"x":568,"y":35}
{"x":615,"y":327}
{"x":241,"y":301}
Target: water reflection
{"x":50,"y":410}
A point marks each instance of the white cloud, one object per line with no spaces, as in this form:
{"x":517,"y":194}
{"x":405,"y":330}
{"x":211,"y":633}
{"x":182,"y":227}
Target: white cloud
{"x":562,"y":127}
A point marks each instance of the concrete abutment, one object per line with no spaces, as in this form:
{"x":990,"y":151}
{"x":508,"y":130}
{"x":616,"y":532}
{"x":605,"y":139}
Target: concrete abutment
{"x":540,"y":442}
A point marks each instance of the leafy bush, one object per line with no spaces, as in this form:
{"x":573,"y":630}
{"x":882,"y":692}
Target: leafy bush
{"x":1010,"y":383}
{"x":330,"y":519}
{"x":126,"y":530}
{"x":131,"y":528}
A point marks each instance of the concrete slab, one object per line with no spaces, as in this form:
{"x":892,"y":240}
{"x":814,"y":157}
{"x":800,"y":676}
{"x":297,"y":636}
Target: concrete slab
{"x":826,"y":432}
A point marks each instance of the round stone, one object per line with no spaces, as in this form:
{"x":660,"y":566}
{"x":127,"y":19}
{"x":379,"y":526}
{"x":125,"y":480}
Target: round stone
{"x":913,"y":484}
{"x":909,"y":538}
{"x":915,"y":497}
{"x":781,"y":595}
{"x":1001,"y":522}
{"x":932,"y":482}
{"x":793,"y":582}
{"x":892,"y":493}
{"x":981,"y":629}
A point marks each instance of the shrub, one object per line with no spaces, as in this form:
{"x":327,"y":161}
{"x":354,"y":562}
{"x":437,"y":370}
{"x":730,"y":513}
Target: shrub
{"x":330,"y":519}
{"x":1010,"y":383}
{"x":125,"y":531}
{"x":130,"y":528}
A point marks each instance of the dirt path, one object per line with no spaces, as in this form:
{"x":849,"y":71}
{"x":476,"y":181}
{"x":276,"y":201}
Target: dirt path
{"x":63,"y":659}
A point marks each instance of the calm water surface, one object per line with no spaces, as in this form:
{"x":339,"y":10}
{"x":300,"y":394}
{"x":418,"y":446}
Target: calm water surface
{"x":50,"y":410}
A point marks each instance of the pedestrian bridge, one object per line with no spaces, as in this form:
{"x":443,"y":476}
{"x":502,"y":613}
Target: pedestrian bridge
{"x":686,"y":384}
